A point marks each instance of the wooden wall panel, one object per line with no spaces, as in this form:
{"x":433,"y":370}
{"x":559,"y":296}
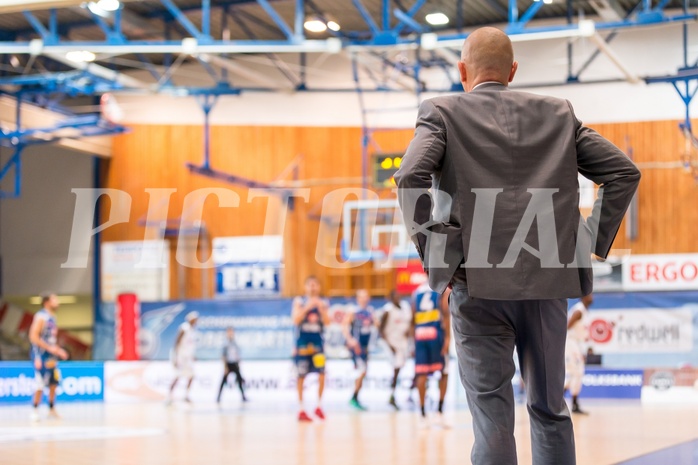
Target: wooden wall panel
{"x":154,"y":157}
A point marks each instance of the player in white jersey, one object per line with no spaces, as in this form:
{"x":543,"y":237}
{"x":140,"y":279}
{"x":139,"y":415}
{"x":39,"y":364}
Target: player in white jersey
{"x":395,"y":328}
{"x":184,"y":354}
{"x":576,"y":349}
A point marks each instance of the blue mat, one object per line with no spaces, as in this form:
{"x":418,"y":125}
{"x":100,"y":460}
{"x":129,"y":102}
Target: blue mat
{"x":681,"y":454}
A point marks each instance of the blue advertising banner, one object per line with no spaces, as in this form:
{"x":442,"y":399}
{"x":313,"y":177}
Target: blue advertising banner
{"x":612,"y":384}
{"x":248,"y":279}
{"x":263,"y":328}
{"x":248,"y":266}
{"x":80,"y":381}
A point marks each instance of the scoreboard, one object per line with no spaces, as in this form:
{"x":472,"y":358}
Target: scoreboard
{"x":384,"y":167}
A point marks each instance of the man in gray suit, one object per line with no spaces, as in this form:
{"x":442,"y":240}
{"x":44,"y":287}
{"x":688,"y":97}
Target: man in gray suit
{"x":488,"y":189}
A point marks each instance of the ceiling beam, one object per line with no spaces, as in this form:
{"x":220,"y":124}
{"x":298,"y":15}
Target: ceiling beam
{"x":245,"y":72}
{"x":34,"y":117}
{"x":17,"y":6}
{"x":101,"y":71}
{"x":331,"y":45}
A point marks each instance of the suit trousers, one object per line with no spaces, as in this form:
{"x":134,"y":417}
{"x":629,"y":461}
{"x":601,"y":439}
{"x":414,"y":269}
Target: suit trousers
{"x":486,"y":332}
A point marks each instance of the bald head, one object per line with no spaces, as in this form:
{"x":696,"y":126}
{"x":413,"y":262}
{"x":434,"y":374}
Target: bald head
{"x":487,"y":55}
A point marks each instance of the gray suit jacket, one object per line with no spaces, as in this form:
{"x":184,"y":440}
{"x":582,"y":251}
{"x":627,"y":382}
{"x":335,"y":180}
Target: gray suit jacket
{"x":491,"y":176}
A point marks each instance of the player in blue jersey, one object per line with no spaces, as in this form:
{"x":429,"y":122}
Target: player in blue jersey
{"x":45,"y":353}
{"x":432,"y":336}
{"x":310,"y":316}
{"x":358,"y":326}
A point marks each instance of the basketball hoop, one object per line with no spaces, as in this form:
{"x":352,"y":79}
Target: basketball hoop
{"x":110,"y":109}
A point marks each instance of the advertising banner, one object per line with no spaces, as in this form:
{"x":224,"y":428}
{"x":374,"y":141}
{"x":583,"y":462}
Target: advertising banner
{"x":646,"y":330}
{"x":670,"y":385}
{"x":410,"y":277}
{"x":248,"y":265}
{"x":612,"y":384}
{"x":79,"y":382}
{"x":138,"y":267}
{"x":263,"y":328}
{"x":271,"y":382}
{"x":660,"y":272}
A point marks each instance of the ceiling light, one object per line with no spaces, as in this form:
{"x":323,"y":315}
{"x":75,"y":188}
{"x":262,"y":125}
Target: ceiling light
{"x":95,"y":9}
{"x":189,"y":45}
{"x":109,"y":5}
{"x":333,"y":26}
{"x":80,"y":56}
{"x":315,"y":25}
{"x":103,"y":8}
{"x":437,"y":19}
{"x":36,"y":46}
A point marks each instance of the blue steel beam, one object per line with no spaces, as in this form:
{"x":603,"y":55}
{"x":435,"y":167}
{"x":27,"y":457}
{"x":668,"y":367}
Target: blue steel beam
{"x":460,"y":17}
{"x":529,"y":14}
{"x":235,"y":179}
{"x":407,"y":20}
{"x":685,"y":76}
{"x":614,"y":33}
{"x":273,"y":58}
{"x":386,"y":15}
{"x":623,"y":24}
{"x":647,"y":21}
{"x":182,"y":19}
{"x":278,"y":20}
{"x":513,"y":11}
{"x":206,"y":17}
{"x":112,"y":33}
{"x":53,"y":22}
{"x":299,"y":18}
{"x":410,"y":13}
{"x":38,"y":27}
{"x":368,"y":19}
{"x":15,"y":162}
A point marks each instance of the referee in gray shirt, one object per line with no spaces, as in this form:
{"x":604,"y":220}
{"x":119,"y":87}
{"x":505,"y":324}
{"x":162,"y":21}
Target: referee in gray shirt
{"x":231,"y":357}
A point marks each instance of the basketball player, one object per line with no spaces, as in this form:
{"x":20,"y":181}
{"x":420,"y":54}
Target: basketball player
{"x":45,"y":352}
{"x":310,"y":316}
{"x":395,"y":329}
{"x":231,"y":358}
{"x":432,"y":336}
{"x":358,"y":325}
{"x":575,"y":349}
{"x":184,"y":354}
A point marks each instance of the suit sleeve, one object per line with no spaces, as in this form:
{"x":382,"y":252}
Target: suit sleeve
{"x":414,"y":178}
{"x":617,"y":176}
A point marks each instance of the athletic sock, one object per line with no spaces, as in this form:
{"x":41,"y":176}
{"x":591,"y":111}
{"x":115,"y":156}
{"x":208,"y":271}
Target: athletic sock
{"x":441,"y":406}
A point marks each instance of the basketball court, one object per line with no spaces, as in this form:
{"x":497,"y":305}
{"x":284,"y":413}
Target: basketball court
{"x":174,"y":169}
{"x":615,"y":433}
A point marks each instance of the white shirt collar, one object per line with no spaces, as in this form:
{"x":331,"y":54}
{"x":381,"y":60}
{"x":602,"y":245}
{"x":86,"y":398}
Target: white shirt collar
{"x":486,"y":82}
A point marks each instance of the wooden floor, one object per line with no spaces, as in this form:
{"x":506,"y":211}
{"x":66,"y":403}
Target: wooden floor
{"x":153,"y":434}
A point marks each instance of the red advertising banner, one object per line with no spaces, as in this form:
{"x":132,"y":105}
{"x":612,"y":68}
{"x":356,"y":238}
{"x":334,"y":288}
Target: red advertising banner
{"x":410,"y":277}
{"x":671,"y":272}
{"x":127,"y":322}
